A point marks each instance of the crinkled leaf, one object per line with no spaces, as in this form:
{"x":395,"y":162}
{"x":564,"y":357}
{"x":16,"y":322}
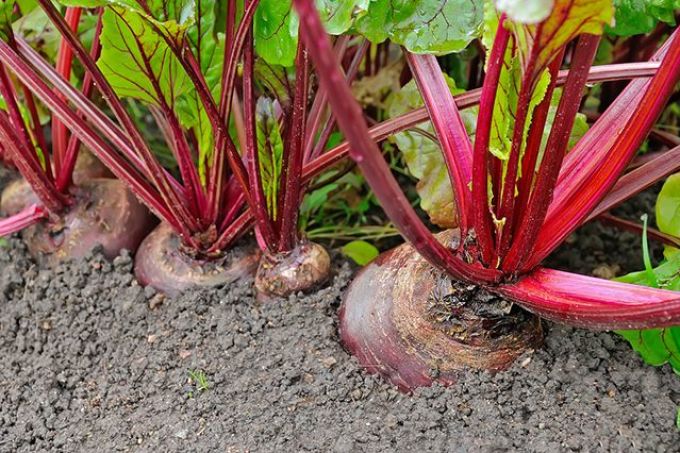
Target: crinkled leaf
{"x":424,"y":158}
{"x":423,"y":26}
{"x":634,"y":17}
{"x":134,"y":58}
{"x":270,"y":152}
{"x":361,"y":252}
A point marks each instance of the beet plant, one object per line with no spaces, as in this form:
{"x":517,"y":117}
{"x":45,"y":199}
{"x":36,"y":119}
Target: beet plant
{"x":420,"y":317}
{"x":65,"y":204}
{"x":244,"y":134}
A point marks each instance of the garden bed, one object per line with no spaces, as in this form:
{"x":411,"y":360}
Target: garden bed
{"x":94,"y":362}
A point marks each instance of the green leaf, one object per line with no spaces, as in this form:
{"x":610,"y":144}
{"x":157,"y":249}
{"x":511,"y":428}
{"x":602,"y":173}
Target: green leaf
{"x":270,"y":152}
{"x":677,"y":419}
{"x":423,"y":156}
{"x":137,"y":61}
{"x":634,"y":17}
{"x":656,"y":346}
{"x":276,"y":34}
{"x":422,"y":26}
{"x":208,"y":46}
{"x":668,"y":210}
{"x":339,"y":15}
{"x":361,"y":252}
{"x":660,"y":346}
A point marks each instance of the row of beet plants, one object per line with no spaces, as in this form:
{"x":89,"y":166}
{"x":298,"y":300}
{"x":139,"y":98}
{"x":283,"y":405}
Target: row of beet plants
{"x":234,"y":93}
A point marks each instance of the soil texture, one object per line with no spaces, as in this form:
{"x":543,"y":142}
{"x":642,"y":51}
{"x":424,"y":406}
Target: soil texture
{"x":94,"y":362}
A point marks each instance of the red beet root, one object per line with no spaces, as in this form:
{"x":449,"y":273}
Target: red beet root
{"x":163,"y":263}
{"x":104,"y":213}
{"x":414,"y":326}
{"x":304,"y":268}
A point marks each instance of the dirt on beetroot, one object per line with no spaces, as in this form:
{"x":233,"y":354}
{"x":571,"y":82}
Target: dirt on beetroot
{"x":91,"y":361}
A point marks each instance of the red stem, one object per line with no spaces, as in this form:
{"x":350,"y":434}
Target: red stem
{"x":264,"y":221}
{"x":291,"y":176}
{"x":534,"y":213}
{"x":506,"y":200}
{"x":593,"y":303}
{"x":170,"y":196}
{"x":21,"y":156}
{"x":107,"y":154}
{"x":534,"y":141}
{"x":65,"y":177}
{"x":639,"y":179}
{"x":578,"y":200}
{"x":23,"y":219}
{"x":479,"y":207}
{"x":454,"y":141}
{"x":368,"y":156}
{"x":64,"y":63}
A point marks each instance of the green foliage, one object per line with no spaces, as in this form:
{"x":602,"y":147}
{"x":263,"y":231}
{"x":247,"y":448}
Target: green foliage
{"x":343,"y":208}
{"x":275,"y":29}
{"x":422,"y":26}
{"x":361,"y":252}
{"x":270,"y":152}
{"x":660,"y":346}
{"x":199,"y":381}
{"x":668,"y":210}
{"x":634,"y":17}
{"x":137,"y":61}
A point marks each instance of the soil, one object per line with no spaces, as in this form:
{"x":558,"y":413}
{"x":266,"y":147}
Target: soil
{"x":94,"y":362}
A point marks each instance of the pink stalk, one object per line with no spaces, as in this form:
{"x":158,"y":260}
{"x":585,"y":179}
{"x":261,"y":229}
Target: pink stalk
{"x":368,"y":156}
{"x":479,"y":206}
{"x":23,"y":219}
{"x":639,"y":179}
{"x":157,"y":173}
{"x":534,"y":213}
{"x":21,"y":156}
{"x":577,"y":201}
{"x":293,"y":156}
{"x":264,"y":221}
{"x":64,"y":63}
{"x":65,"y":177}
{"x":455,"y":143}
{"x":594,"y":303}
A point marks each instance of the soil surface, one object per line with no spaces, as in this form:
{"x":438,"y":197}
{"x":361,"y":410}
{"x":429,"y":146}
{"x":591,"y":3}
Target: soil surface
{"x":94,"y":362}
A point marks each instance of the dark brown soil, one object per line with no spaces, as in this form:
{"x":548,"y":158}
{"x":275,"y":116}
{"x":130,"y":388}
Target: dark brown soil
{"x":91,"y":361}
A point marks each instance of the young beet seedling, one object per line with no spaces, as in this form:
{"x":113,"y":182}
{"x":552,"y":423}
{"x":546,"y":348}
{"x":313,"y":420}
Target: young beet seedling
{"x":175,"y":61}
{"x":65,"y":204}
{"x":415,"y":321}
